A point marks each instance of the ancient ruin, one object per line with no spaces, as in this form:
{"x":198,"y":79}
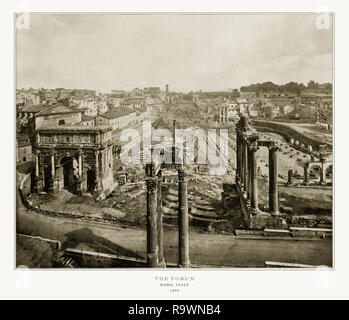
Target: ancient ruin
{"x":248,"y":143}
{"x":78,"y":159}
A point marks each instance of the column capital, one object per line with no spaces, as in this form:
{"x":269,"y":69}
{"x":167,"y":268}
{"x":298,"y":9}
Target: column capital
{"x":181,"y":175}
{"x":151,"y":185}
{"x":273,"y":148}
{"x":159,"y":174}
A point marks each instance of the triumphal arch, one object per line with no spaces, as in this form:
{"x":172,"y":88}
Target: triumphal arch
{"x":76,"y":158}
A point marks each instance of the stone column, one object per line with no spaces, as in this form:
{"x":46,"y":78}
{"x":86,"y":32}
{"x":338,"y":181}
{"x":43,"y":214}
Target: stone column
{"x":80,"y":163}
{"x":290,"y":177}
{"x":249,"y":176}
{"x":37,"y":173}
{"x":37,"y":185}
{"x":237,"y":171}
{"x":242,"y":157}
{"x":183,"y":221}
{"x":254,"y":179}
{"x":80,"y":180}
{"x":97,"y":181}
{"x":273,"y":181}
{"x":246,"y":167}
{"x":53,"y":172}
{"x":306,"y":178}
{"x":152,"y":234}
{"x":162,"y":263}
{"x":323,"y":173}
{"x":241,"y":166}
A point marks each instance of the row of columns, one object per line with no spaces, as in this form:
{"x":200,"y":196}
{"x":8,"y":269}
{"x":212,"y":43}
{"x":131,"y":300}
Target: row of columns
{"x":246,"y":172}
{"x":155,"y":238}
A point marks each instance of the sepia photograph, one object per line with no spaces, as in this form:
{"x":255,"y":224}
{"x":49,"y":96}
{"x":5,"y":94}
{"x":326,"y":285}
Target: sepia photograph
{"x":174,"y":141}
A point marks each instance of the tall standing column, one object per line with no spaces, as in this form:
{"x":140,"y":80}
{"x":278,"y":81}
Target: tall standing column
{"x":152,"y":234}
{"x":53,"y":172}
{"x":273,"y":181}
{"x":80,"y":163}
{"x":240,"y":160}
{"x":246,"y":167}
{"x":97,"y":181}
{"x":249,"y":191}
{"x":306,"y":179}
{"x":37,"y":172}
{"x":183,"y":221}
{"x":323,"y":173}
{"x":254,"y":179}
{"x":242,"y":175}
{"x":237,"y":171}
{"x":79,"y":182}
{"x":162,"y":263}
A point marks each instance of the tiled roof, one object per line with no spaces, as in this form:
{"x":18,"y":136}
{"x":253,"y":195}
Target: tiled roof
{"x":60,"y":109}
{"x":117,"y":114}
{"x":34,"y":108}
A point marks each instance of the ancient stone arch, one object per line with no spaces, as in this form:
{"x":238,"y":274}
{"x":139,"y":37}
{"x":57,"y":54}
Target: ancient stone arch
{"x":323,"y":166}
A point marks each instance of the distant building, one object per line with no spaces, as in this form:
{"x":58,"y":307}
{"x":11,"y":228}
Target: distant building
{"x":23,"y":149}
{"x":117,"y":120}
{"x":58,"y":115}
{"x":30,"y":111}
{"x":87,"y":121}
{"x":271,"y":111}
{"x":152,"y":91}
{"x":248,"y":94}
{"x":118,"y":93}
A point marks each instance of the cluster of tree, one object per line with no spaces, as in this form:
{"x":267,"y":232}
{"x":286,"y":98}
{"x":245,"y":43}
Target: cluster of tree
{"x":293,"y":87}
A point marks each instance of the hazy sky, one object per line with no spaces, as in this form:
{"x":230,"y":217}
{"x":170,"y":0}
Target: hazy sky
{"x":188,"y":52}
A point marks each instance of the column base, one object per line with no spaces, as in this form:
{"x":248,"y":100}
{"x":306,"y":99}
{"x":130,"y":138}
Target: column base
{"x":275,"y":213}
{"x":152,"y":260}
{"x":186,"y":265}
{"x":255,"y":211}
{"x":162,"y":264}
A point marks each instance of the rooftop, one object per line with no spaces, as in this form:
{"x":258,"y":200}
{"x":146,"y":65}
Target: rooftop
{"x":76,"y":128}
{"x":34,"y":108}
{"x":60,"y":109}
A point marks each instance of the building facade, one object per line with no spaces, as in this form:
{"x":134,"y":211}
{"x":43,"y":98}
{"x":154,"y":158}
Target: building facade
{"x":75,"y":158}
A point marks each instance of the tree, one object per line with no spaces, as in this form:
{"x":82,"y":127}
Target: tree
{"x":312,"y":85}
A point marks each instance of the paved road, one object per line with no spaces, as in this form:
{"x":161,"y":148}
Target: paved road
{"x":207,"y":249}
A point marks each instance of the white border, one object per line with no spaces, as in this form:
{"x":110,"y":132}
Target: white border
{"x":120,"y":284}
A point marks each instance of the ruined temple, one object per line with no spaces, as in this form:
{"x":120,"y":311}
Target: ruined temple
{"x":247,"y":144}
